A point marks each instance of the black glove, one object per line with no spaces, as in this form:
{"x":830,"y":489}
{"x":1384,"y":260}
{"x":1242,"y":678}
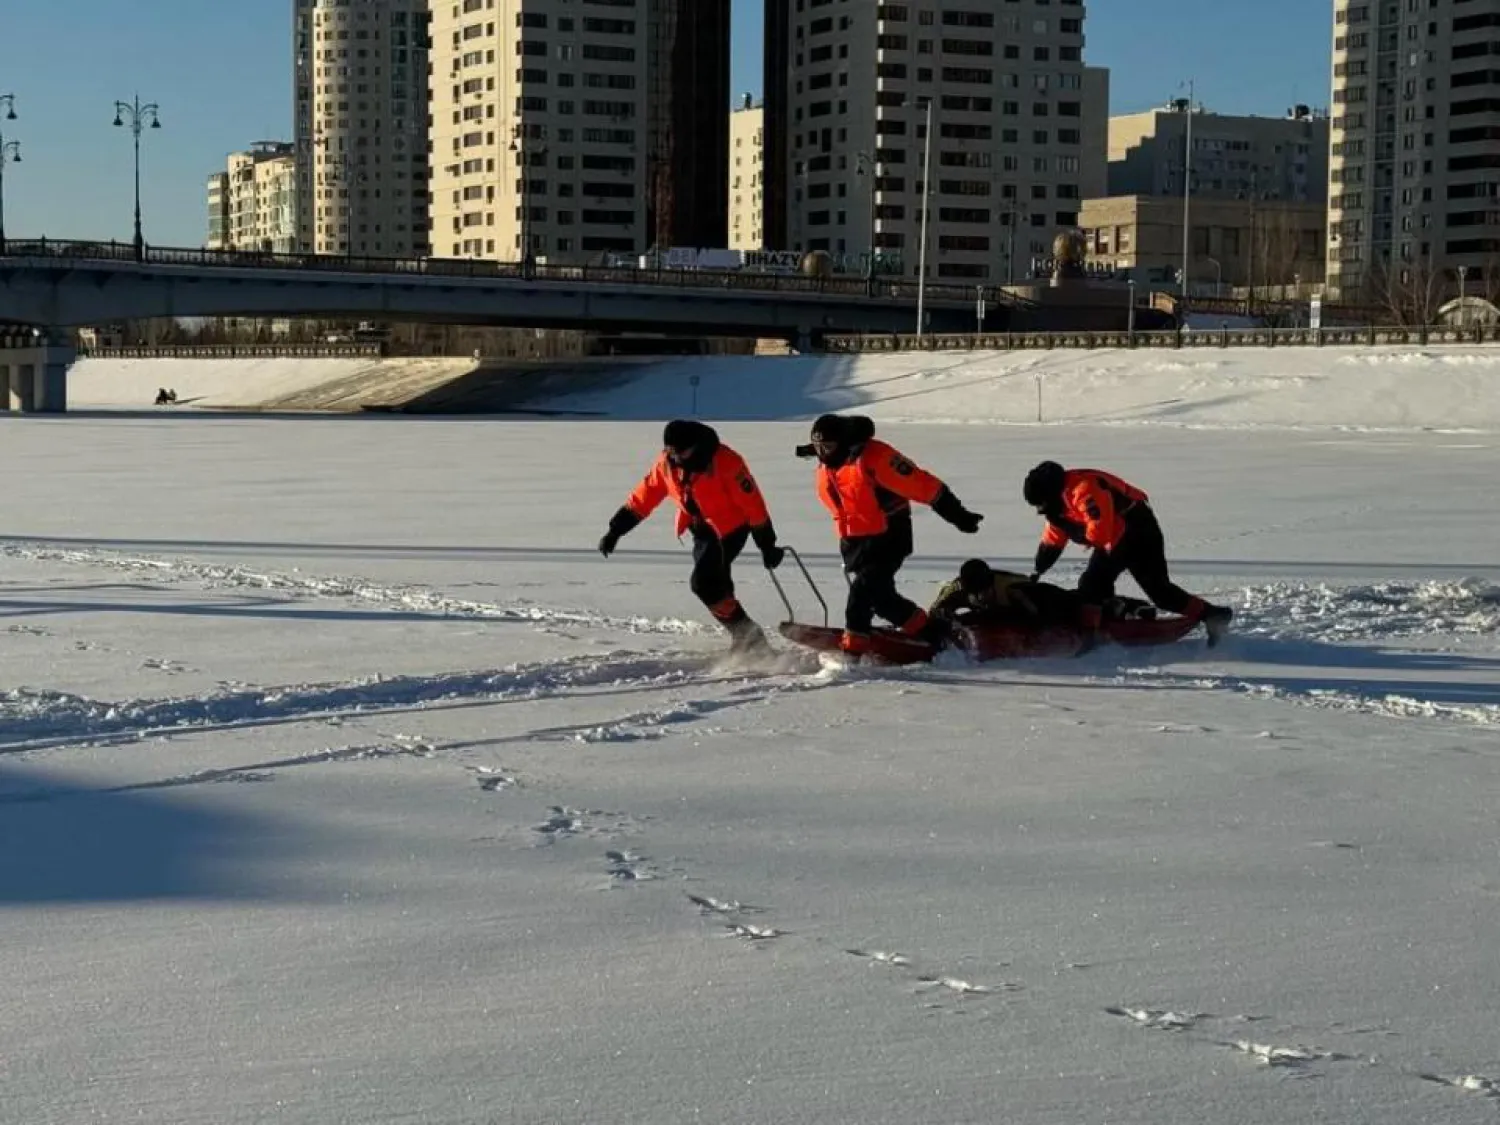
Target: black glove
{"x":806,"y":451}
{"x":1046,"y":557}
{"x":947,"y":506}
{"x":765,"y":540}
{"x":620,"y":524}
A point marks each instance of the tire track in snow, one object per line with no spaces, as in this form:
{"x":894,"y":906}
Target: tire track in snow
{"x":33,"y":719}
{"x":350,"y":590}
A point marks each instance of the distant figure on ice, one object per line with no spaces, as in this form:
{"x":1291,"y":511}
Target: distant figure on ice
{"x":869,"y":487}
{"x":1103,"y":512}
{"x":720,"y":504}
{"x":165,"y":397}
{"x":982,"y":594}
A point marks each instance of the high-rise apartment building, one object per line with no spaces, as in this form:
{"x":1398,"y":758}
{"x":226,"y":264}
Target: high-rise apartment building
{"x":1265,"y":158}
{"x":1412,"y":185}
{"x":1018,"y":130}
{"x":746,"y":168}
{"x":360,"y":106}
{"x":218,"y":211}
{"x":580,"y":131}
{"x":252,"y":205}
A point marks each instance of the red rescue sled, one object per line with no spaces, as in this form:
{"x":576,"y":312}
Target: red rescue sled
{"x":981,"y":641}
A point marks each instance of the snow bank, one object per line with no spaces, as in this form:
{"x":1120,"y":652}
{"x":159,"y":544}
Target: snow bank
{"x":201,"y":382}
{"x":1363,"y":388}
{"x":242,"y":382}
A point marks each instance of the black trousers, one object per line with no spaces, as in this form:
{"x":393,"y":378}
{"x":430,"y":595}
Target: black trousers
{"x":1141,"y":553}
{"x":872,"y":561}
{"x":711,"y":579}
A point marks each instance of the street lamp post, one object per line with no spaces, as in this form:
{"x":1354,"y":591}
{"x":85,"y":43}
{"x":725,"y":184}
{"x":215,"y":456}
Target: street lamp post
{"x":1017,"y":210}
{"x":1463,"y":290}
{"x":1130,"y":312}
{"x":137,"y":117}
{"x":868,"y":165}
{"x":9,"y":150}
{"x":519,"y":146}
{"x":926,"y":211}
{"x":1187,"y":191}
{"x":1218,"y":275}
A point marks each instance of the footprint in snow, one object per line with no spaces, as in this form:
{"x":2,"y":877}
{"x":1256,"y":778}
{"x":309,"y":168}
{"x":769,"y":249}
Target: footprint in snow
{"x":629,"y":867}
{"x":492,"y":780}
{"x":1159,"y":1018}
{"x":709,"y":905}
{"x":1470,"y":1083}
{"x":1268,"y":1054}
{"x":751,"y":932}
{"x":881,"y":956}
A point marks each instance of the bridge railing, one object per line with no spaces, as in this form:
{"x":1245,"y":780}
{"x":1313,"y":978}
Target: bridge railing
{"x":1371,"y":336}
{"x":233,"y":351}
{"x":743,"y":281}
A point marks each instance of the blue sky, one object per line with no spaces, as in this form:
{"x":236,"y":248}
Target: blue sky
{"x":221,"y":71}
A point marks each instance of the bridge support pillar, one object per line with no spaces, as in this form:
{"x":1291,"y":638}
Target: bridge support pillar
{"x":34,"y":372}
{"x":21,"y":384}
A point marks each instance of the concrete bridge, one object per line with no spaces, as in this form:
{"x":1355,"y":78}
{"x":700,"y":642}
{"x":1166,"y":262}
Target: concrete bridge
{"x":57,"y":286}
{"x":69,"y":284}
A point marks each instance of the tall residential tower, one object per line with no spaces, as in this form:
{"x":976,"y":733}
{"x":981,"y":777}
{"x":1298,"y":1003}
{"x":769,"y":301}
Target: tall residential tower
{"x":1018,"y":122}
{"x":1413,"y":188}
{"x":581,"y":131}
{"x":360,"y":105}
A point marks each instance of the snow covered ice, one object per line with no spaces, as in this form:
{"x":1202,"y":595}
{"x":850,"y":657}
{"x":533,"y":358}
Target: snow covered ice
{"x":342,"y":780}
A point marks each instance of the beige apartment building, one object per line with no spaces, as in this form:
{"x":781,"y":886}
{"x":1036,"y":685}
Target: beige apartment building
{"x":1416,"y":118}
{"x":1272,"y":244}
{"x":1266,"y":158}
{"x":1019,"y":125}
{"x":252,"y":205}
{"x":581,"y":133}
{"x":746,"y":171}
{"x":360,"y":111}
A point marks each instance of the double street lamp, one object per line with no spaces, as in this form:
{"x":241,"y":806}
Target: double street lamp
{"x":137,"y":117}
{"x":9,"y":150}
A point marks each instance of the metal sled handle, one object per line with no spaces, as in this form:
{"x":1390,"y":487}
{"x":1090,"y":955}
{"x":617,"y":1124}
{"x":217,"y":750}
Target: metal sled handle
{"x":791,"y":614}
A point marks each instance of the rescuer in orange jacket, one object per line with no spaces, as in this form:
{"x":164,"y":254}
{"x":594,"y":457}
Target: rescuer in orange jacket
{"x":869,"y":488}
{"x":720,"y":504}
{"x":1114,"y":518}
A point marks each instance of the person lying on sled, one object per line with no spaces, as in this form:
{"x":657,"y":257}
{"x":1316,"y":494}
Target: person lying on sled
{"x":982,"y":595}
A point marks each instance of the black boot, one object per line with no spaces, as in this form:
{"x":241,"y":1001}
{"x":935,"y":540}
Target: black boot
{"x":1216,"y":619}
{"x":746,"y":638}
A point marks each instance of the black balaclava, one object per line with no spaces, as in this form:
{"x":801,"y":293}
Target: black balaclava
{"x":692,"y":444}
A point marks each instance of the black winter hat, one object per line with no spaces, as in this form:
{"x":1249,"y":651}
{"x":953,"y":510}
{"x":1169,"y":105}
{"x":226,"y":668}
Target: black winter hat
{"x":830,"y":427}
{"x":975,"y":576}
{"x":1044,"y":484}
{"x":682,"y":434}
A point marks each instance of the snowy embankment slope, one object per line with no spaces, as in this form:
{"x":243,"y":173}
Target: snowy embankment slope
{"x":341,"y":780}
{"x":1346,"y":388}
{"x":253,"y":383}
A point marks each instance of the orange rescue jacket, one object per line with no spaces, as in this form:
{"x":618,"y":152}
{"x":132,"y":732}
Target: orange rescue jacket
{"x":859,"y":492}
{"x":1094,"y":507}
{"x":724,"y":496}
